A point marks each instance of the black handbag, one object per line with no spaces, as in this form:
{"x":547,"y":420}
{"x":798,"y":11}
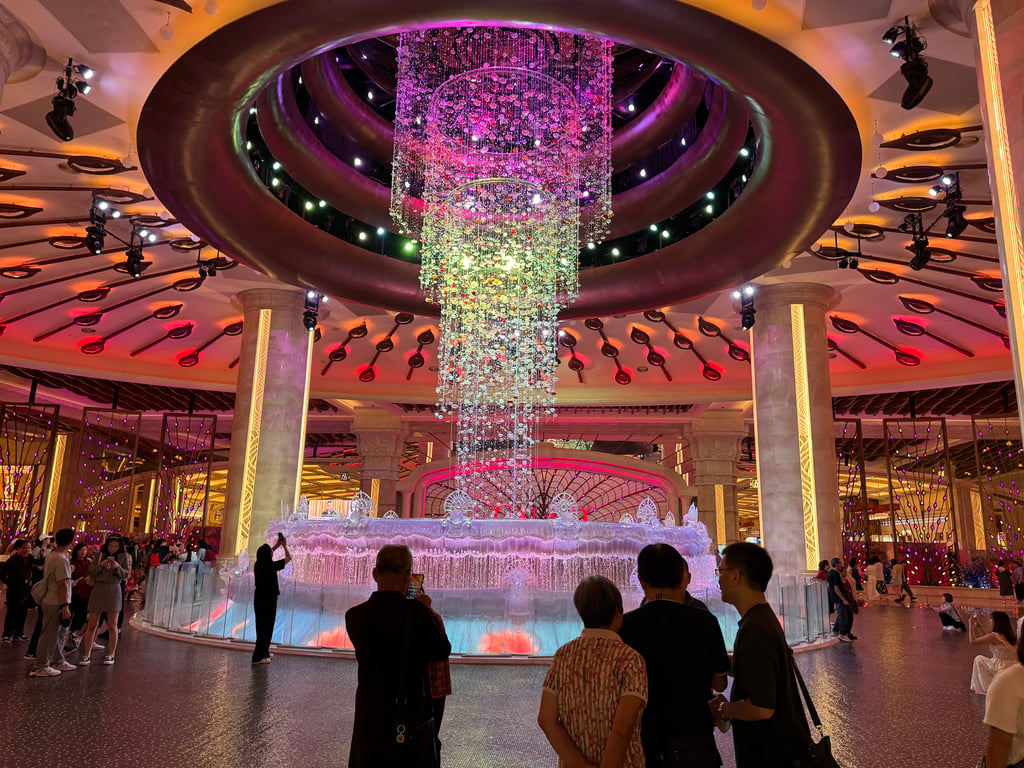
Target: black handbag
{"x":819,"y":753}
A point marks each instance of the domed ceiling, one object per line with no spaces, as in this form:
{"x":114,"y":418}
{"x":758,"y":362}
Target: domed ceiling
{"x":258,"y":163}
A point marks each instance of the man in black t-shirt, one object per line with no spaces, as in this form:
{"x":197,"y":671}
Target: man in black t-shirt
{"x":770,"y":728}
{"x":686,"y":660}
{"x":844,"y":619}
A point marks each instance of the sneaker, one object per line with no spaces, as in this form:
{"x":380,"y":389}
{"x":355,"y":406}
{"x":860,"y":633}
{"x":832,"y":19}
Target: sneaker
{"x":7,"y":641}
{"x":29,"y":655}
{"x":948,"y":629}
{"x":845,"y":639}
{"x":65,"y":666}
{"x":21,"y":637}
{"x":98,"y":647}
{"x":44,"y":672}
{"x":108,"y":660}
{"x":851,"y":635}
{"x":85,"y":662}
{"x":262,"y":661}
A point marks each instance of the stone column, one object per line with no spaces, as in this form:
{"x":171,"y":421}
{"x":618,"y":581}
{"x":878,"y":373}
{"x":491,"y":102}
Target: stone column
{"x":381,"y":442}
{"x":18,"y":53}
{"x":796,"y":455}
{"x":268,"y":432}
{"x":714,"y":441}
{"x":997,"y":27}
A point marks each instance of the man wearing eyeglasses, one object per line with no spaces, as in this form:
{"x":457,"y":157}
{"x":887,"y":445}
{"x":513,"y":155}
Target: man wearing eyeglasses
{"x":769,"y":726}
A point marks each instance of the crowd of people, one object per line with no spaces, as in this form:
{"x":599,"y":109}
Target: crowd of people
{"x":634,"y":689}
{"x":77,"y":592}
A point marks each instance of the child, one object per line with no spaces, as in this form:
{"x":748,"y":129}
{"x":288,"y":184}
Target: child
{"x":948,"y":614}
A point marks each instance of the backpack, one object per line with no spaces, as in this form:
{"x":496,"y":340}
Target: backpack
{"x":38,"y":591}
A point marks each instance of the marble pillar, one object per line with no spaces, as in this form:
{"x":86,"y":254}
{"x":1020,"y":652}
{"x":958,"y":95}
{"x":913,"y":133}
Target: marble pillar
{"x":796,"y":456}
{"x":714,"y":448}
{"x":997,"y":27}
{"x":381,"y":442}
{"x":20,"y":57}
{"x":268,"y":433}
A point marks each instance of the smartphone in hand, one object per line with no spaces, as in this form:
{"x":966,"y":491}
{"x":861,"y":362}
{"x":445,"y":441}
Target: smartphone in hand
{"x":415,"y":586}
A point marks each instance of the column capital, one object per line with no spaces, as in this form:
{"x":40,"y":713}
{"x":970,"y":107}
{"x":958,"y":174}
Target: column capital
{"x":18,"y":51}
{"x":288,"y":299}
{"x":380,"y":438}
{"x":775,"y":294}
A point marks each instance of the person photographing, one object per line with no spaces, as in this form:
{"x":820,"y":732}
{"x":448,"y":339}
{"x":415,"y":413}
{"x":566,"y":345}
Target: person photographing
{"x":264,"y":598}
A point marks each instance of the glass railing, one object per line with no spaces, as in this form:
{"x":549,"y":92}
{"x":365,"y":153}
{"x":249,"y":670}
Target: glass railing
{"x":216,"y":602}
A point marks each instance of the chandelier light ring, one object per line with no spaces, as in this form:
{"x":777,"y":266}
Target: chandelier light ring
{"x":192,"y":151}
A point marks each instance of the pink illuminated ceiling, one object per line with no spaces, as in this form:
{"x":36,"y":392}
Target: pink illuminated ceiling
{"x":67,"y":310}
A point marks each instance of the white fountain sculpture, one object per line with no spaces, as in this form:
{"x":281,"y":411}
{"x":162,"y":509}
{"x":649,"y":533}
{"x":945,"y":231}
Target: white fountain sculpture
{"x":627,"y":518}
{"x":647,"y":513}
{"x":390,"y":515}
{"x":563,"y":509}
{"x":360,"y":510}
{"x":458,"y":514}
{"x":692,"y":517}
{"x":302,"y":508}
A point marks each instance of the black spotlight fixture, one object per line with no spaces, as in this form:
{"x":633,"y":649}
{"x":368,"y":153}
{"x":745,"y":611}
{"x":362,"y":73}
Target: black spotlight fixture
{"x":95,"y":235}
{"x":207,"y":268}
{"x":58,"y":119}
{"x":956,"y":223}
{"x":133,"y":262}
{"x":747,"y":311}
{"x":69,"y":85}
{"x":922,"y":254}
{"x":908,"y":45}
{"x":312,"y":308}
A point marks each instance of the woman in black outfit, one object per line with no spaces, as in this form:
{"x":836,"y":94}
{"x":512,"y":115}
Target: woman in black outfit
{"x":264,"y":599}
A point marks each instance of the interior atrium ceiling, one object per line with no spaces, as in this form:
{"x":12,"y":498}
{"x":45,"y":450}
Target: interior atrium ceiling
{"x":69,"y":312}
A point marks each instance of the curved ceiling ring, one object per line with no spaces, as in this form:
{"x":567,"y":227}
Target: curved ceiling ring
{"x":292,"y":143}
{"x":193,"y":152}
{"x":342,"y":107}
{"x":692,"y":174}
{"x":319,"y":171}
{"x":338,"y":102}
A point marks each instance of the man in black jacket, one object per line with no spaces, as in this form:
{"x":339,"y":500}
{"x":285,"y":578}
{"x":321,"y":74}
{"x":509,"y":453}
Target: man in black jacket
{"x":17,"y":575}
{"x":395,"y":639}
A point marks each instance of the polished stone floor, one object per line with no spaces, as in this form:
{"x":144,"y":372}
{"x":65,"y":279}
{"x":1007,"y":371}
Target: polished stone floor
{"x":897,"y":697}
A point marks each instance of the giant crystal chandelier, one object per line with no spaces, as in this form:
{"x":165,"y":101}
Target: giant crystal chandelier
{"x":501,"y":168}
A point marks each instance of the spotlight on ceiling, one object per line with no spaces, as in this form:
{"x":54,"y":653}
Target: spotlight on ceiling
{"x":95,"y":236}
{"x":312,"y":306}
{"x":747,"y":311}
{"x":908,"y":45}
{"x":922,"y":254}
{"x":69,"y":86}
{"x":133,"y":263}
{"x":956,"y":223}
{"x":58,"y":118}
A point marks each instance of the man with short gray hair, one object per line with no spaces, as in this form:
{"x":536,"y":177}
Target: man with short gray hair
{"x":395,"y":639}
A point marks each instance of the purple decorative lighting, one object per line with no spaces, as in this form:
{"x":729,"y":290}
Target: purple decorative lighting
{"x":502,"y":165}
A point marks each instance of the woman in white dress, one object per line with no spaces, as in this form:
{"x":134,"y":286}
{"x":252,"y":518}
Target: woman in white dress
{"x":1002,"y":642}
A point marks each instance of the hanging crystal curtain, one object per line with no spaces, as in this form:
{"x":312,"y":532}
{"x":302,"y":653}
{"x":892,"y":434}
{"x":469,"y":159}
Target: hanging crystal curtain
{"x":100,"y":493}
{"x":183,"y":478}
{"x":921,"y":498}
{"x":27,"y":433}
{"x":853,"y":495}
{"x":999,"y":507}
{"x":502,"y":164}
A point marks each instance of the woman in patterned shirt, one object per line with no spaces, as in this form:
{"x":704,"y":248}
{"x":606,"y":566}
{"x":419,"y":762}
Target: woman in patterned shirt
{"x":596,"y":688}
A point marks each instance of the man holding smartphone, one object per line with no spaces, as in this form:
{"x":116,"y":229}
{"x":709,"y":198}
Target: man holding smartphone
{"x":395,"y":640}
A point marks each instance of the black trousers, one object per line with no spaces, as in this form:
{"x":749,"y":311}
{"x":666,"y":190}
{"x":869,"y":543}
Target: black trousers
{"x":265,"y":609}
{"x":33,"y":643}
{"x":437,"y":711}
{"x":14,"y":621}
